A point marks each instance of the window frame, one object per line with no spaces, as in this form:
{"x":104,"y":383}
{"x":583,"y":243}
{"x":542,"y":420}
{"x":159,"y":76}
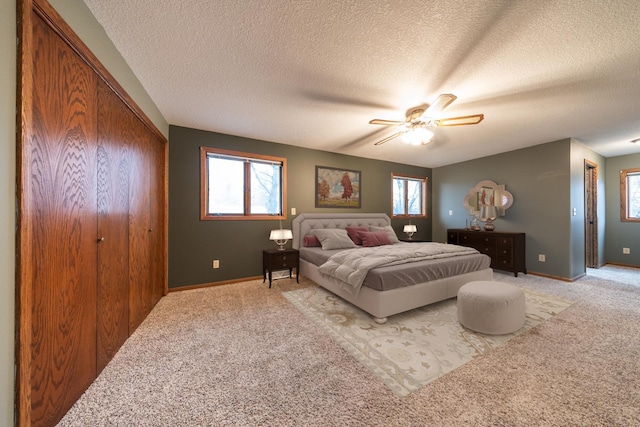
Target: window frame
{"x":424,"y":181}
{"x":205,"y":152}
{"x":624,"y":194}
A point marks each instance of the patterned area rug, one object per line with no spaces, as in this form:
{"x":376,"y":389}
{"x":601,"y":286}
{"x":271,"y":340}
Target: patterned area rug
{"x":412,"y":348}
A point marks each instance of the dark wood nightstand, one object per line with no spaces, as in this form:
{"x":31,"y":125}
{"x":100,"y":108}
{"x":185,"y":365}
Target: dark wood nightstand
{"x":275,"y":260}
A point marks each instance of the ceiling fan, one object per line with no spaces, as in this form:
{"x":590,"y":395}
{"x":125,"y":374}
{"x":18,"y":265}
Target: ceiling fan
{"x":420,"y":119}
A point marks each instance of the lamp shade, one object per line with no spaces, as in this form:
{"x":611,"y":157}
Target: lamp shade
{"x":488,"y":212}
{"x":280,"y":234}
{"x":410,"y":228}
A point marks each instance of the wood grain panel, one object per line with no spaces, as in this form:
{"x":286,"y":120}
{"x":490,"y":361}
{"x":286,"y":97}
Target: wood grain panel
{"x":115,"y":129}
{"x":157,"y":218}
{"x":63,"y":204}
{"x":139,"y":226}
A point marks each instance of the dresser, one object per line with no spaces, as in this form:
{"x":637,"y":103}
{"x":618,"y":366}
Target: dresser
{"x":506,"y":250}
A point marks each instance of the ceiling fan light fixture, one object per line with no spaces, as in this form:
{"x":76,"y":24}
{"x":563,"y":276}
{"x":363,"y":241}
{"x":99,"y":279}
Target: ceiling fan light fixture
{"x":417,"y":136}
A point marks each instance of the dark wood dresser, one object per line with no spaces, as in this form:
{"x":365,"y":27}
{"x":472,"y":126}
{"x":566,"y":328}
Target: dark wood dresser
{"x":506,"y":250}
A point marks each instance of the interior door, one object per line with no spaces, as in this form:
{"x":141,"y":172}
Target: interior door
{"x":591,"y":214}
{"x":62,"y":202}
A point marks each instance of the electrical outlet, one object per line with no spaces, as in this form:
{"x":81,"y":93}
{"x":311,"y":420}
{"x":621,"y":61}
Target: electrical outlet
{"x":293,"y":211}
{"x":542,"y":258}
{"x":626,"y":251}
{"x":216,"y":263}
{"x":450,"y":212}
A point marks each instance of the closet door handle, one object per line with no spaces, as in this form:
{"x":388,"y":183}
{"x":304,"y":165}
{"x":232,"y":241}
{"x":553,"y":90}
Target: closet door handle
{"x":100,"y":240}
{"x":151,"y":230}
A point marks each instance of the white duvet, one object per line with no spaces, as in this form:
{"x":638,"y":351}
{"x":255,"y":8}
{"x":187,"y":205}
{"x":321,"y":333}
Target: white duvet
{"x":348,"y":268}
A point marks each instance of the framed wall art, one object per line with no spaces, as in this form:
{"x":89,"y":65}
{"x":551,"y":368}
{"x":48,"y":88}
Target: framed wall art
{"x":337,"y":188}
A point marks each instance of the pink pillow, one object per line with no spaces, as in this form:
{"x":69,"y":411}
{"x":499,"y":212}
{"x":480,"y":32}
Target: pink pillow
{"x":374,"y":238}
{"x":353,"y":233}
{"x":310,"y":240}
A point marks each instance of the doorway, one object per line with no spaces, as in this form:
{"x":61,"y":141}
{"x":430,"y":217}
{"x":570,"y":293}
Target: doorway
{"x":591,"y":214}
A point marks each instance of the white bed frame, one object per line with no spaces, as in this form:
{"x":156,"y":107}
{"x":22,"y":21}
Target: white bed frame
{"x":380,"y":304}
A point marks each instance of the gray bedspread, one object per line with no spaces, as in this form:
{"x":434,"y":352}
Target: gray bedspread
{"x":349,"y":268}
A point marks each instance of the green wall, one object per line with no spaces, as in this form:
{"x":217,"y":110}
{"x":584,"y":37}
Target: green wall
{"x":620,"y":234}
{"x":538,"y":178}
{"x":193,"y":244}
{"x":7,"y":205}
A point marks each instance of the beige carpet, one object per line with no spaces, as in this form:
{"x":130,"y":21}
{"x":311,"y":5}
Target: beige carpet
{"x":243,"y":355}
{"x":413,"y":348}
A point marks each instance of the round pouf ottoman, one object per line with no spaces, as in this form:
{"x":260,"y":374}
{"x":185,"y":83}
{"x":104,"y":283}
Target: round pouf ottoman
{"x":491,"y":307}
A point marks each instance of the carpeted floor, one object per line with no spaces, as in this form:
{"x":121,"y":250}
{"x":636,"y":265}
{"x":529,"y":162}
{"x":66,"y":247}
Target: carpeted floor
{"x":242,"y":355}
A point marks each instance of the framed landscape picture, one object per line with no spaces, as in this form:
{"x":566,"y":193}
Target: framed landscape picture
{"x":337,"y":188}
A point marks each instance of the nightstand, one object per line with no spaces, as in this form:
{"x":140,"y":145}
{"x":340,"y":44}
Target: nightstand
{"x":275,"y":260}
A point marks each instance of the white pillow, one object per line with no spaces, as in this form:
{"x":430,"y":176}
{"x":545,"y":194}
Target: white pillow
{"x":389,"y":230}
{"x":333,"y":238}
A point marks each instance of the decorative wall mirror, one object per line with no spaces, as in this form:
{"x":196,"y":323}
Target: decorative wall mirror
{"x":487,"y":193}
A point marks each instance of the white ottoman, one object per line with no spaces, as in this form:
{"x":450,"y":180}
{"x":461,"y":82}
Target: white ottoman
{"x":491,"y":307}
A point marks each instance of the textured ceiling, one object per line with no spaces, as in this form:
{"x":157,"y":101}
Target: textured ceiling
{"x":312,"y":73}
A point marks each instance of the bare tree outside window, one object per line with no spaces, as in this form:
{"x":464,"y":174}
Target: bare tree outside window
{"x":241,"y":185}
{"x":408,"y":196}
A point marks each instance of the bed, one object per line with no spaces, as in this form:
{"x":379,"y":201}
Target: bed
{"x":386,"y":290}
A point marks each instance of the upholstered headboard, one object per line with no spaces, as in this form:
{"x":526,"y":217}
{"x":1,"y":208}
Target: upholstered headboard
{"x":304,"y":223}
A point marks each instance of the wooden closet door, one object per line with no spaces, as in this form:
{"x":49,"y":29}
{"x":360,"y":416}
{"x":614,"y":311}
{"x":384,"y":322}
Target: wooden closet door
{"x":115,"y":129}
{"x":63,"y":236}
{"x":139,"y":231}
{"x":158,"y":251}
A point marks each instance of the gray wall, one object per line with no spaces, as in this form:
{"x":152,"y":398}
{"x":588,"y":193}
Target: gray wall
{"x":539,"y":179}
{"x":193,"y":244}
{"x":547,"y":183}
{"x":620,"y":234}
{"x":7,"y":205}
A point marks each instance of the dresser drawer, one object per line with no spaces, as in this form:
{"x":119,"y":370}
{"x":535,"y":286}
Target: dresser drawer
{"x":505,"y":241}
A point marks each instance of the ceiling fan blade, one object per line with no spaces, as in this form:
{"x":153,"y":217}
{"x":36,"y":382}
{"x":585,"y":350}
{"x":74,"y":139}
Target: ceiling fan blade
{"x":388,"y":138}
{"x":459,"y":121}
{"x":439,"y":104}
{"x":386,"y":122}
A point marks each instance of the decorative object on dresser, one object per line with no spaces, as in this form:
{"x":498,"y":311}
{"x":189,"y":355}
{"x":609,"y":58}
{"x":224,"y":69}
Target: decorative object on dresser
{"x":280,"y":259}
{"x":488,"y":213}
{"x":506,"y":249}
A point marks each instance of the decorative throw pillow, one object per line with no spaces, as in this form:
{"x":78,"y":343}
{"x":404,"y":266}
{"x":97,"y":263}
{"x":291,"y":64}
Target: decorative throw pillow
{"x":374,"y":238}
{"x":353,"y":233}
{"x":333,"y":238}
{"x":392,"y":234}
{"x":310,"y":241}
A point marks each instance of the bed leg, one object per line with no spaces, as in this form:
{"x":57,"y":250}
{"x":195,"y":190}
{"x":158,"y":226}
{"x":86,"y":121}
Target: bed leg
{"x":380,"y":320}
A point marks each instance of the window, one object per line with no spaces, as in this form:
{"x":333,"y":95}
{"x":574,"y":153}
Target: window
{"x":409,"y":196}
{"x":630,"y":195}
{"x":241,"y":185}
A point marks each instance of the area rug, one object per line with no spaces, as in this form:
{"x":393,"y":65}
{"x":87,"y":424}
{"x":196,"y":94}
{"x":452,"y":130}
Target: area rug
{"x":412,"y":348}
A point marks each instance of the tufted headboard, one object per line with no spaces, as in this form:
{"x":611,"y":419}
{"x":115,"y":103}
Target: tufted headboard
{"x":304,"y":223}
